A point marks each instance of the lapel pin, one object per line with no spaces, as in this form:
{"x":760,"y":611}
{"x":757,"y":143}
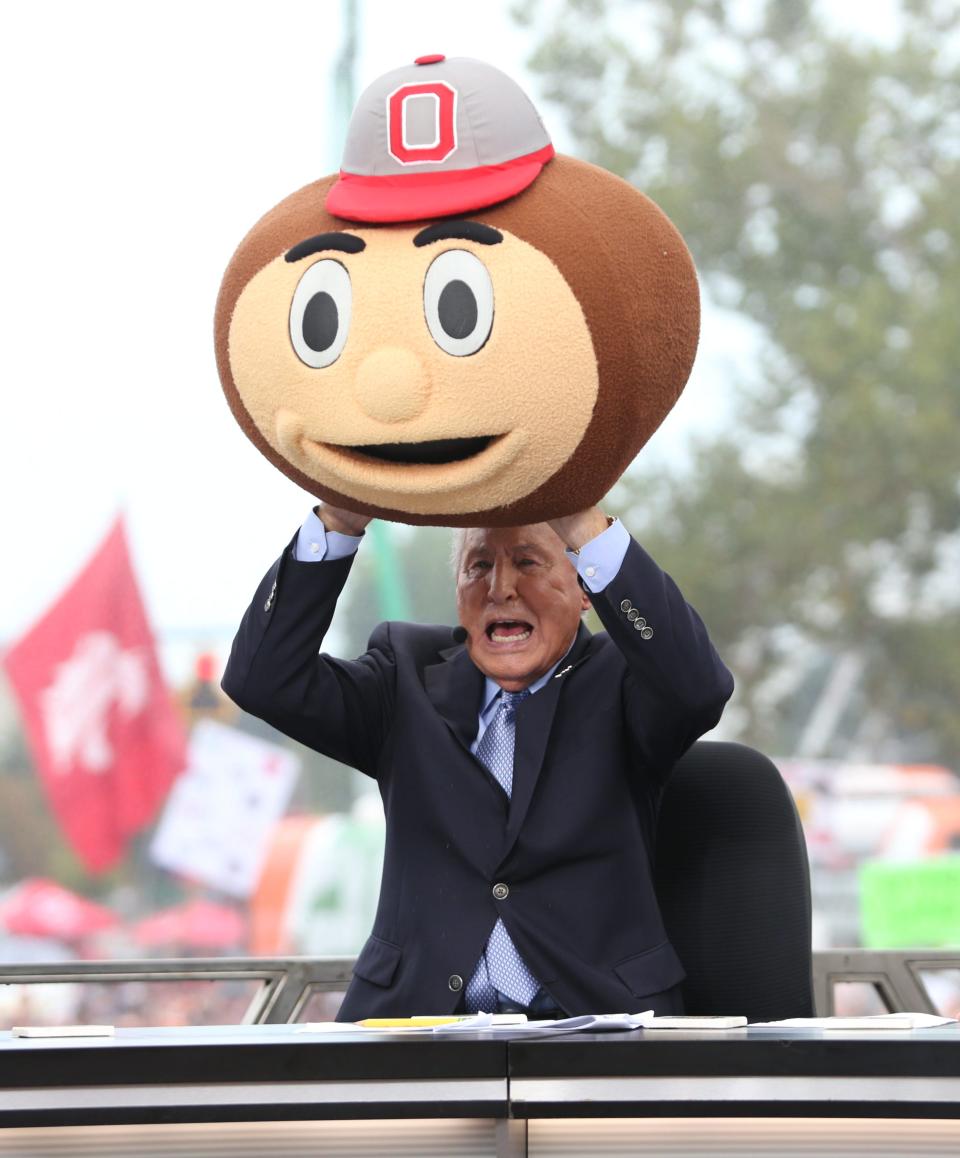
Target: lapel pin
{"x":569,"y":667}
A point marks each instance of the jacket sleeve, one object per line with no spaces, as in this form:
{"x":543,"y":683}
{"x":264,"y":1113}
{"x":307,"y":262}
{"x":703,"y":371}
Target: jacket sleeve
{"x":676,"y":685}
{"x":339,"y":707}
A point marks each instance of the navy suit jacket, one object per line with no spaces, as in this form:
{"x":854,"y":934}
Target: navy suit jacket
{"x":573,"y":845}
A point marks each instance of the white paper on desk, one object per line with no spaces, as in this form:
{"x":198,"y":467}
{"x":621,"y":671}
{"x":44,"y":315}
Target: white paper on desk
{"x":587,"y":1023}
{"x":870,"y":1021}
{"x":62,"y":1031}
{"x":329,"y":1027}
{"x":692,"y":1021}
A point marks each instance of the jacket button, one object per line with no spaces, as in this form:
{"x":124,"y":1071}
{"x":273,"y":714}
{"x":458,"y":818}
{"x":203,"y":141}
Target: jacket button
{"x":501,"y":891}
{"x":455,"y":982}
{"x":633,"y":614}
{"x":626,"y":605}
{"x":647,"y":633}
{"x":639,"y":624}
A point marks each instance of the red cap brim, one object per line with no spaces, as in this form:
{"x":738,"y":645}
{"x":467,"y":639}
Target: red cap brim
{"x":415,"y":196}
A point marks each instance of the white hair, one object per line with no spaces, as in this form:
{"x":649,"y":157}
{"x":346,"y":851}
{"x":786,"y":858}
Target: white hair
{"x":458,"y":540}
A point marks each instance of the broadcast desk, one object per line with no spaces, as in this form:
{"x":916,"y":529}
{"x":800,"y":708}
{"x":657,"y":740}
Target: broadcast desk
{"x":278,"y":1090}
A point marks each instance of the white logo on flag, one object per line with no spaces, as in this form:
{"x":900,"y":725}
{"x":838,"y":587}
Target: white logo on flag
{"x":76,"y":706}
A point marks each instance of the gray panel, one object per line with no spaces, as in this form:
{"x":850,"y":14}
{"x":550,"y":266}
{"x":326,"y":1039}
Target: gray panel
{"x":254,"y":1093}
{"x":736,"y":1137}
{"x":745,"y":1089}
{"x":436,"y":1138}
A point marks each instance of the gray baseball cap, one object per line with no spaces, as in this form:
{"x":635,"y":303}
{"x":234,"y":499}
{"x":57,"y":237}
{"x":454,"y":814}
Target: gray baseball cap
{"x":438,"y":137}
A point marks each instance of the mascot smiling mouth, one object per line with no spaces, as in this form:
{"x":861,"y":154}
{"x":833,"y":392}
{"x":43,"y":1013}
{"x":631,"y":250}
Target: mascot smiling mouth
{"x":436,"y":451}
{"x":445,"y":465}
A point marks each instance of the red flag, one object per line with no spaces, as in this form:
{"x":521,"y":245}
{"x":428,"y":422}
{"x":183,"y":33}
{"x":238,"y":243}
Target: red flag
{"x":105,"y":733}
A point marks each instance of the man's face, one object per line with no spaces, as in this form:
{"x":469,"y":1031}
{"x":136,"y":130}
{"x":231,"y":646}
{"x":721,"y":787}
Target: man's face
{"x":519,"y":600}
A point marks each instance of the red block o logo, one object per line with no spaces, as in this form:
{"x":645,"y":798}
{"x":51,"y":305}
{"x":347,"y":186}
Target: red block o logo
{"x":433,"y":107}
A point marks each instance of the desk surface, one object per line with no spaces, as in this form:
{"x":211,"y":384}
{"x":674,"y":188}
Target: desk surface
{"x":282,"y":1071}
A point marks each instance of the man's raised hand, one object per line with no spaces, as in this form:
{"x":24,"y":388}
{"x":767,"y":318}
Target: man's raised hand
{"x":341,"y":521}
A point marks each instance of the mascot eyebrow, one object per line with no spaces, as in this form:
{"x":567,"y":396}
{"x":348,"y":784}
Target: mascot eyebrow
{"x":442,"y":231}
{"x":344,"y":242}
{"x":458,"y":230}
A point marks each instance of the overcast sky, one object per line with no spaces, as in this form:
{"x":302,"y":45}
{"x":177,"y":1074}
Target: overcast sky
{"x":141,"y":141}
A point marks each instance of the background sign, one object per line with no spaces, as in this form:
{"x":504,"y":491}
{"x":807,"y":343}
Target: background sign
{"x":906,"y":906}
{"x":220,"y":813}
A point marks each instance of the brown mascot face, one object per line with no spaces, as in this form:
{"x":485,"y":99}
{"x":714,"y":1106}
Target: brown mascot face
{"x":495,"y":369}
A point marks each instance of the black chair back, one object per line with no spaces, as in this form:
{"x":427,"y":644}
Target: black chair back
{"x":733,"y":883}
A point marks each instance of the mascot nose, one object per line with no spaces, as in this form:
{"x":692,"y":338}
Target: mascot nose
{"x":392,"y":385}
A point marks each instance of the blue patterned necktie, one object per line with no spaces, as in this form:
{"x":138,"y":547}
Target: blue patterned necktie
{"x":501,"y":968}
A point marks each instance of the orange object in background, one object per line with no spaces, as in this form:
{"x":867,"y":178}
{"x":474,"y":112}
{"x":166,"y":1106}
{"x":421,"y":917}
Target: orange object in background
{"x":320,"y":881}
{"x":922,"y":827}
{"x":269,"y":934}
{"x":945,"y":836}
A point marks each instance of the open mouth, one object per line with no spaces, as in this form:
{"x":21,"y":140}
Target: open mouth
{"x":435,"y":452}
{"x":505,"y":631}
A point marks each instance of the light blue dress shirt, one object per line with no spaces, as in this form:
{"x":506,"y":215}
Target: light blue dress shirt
{"x":315,"y":543}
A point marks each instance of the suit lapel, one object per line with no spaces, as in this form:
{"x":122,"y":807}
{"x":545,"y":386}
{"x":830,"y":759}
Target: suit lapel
{"x":455,"y":687}
{"x":476,"y":811}
{"x":534,"y":724}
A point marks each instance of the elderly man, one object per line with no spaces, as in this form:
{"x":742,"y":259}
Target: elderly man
{"x":520,"y":760}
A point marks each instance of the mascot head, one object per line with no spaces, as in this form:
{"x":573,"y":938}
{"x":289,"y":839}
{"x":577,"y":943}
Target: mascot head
{"x":460,"y":328}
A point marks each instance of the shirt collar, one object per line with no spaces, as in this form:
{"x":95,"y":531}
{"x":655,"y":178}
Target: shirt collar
{"x":491,"y":690}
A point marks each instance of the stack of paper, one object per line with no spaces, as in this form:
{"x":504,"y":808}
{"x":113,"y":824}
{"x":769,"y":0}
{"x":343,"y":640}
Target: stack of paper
{"x":872,"y":1021}
{"x":587,"y":1023}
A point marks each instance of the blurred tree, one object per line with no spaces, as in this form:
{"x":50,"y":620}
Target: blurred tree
{"x":816,"y":179}
{"x":423,"y":554}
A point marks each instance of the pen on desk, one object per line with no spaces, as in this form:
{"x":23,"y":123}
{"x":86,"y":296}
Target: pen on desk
{"x":429,"y":1020}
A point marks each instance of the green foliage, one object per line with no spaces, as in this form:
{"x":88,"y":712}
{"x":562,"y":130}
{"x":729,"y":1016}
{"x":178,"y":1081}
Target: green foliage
{"x":816,"y":180}
{"x":425,"y":575}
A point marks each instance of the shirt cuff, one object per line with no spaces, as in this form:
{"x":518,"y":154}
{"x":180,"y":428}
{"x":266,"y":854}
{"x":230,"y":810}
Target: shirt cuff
{"x":599,"y":560}
{"x":315,"y":543}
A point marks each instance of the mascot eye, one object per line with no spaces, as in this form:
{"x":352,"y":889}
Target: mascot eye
{"x":320,"y":314}
{"x":458,"y":302}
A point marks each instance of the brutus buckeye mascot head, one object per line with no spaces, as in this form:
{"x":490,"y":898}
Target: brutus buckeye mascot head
{"x":460,"y":328}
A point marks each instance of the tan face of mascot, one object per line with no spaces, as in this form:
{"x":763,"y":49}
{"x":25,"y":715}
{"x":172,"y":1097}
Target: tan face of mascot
{"x":497,"y":367}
